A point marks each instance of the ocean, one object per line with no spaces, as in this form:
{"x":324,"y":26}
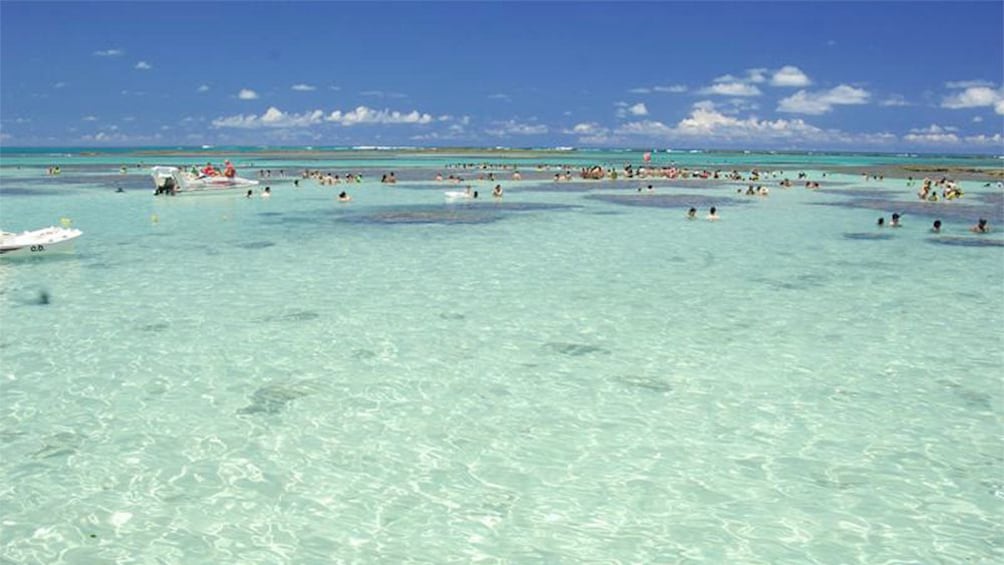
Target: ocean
{"x":573,"y":373}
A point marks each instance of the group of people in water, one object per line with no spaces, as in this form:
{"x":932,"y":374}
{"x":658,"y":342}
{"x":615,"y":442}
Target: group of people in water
{"x":328,"y":179}
{"x":950,"y":189}
{"x":981,"y":225}
{"x":929,"y":189}
{"x":712,"y":214}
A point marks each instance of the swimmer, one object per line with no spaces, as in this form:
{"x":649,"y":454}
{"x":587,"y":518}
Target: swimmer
{"x":344,"y":197}
{"x":936,"y":228}
{"x":692,"y":213}
{"x":980,"y":227}
{"x":895,"y":222}
{"x":497,"y":191}
{"x":880,"y":223}
{"x":712,"y":214}
{"x":249,"y":194}
{"x":267,"y":192}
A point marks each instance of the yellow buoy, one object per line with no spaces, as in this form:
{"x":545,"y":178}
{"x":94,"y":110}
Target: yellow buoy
{"x":65,"y":222}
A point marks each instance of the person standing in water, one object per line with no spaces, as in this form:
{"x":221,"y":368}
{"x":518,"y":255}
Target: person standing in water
{"x":980,"y":227}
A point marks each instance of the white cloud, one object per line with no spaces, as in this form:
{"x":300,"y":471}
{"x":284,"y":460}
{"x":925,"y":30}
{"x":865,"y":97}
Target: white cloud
{"x":932,"y":134}
{"x":590,"y":133}
{"x":789,"y":75}
{"x":934,"y":128}
{"x":894,"y":100}
{"x":976,"y":97}
{"x":756,"y":75}
{"x":118,"y":137}
{"x":977,"y":119}
{"x":752,"y":76}
{"x":671,"y":89}
{"x":586,"y":128}
{"x":646,"y":128}
{"x":967,"y":83}
{"x":500,"y":96}
{"x":303,"y":87}
{"x":452,"y":134}
{"x":247,"y":94}
{"x":366,"y":115}
{"x":947,"y":135}
{"x":382,"y":94}
{"x":511,"y":127}
{"x":272,"y":118}
{"x":821,"y":102}
{"x":638,"y":109}
{"x":89,"y":118}
{"x":731,"y":106}
{"x":731,"y":89}
{"x":624,"y":109}
{"x":708,"y":124}
{"x":995,"y":139}
{"x":202,"y":88}
{"x":143,"y":66}
{"x":109,"y":53}
{"x":59,"y":85}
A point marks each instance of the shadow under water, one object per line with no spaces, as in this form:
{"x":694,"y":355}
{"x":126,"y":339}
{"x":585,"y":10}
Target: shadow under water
{"x":681,"y":201}
{"x":452,"y":214}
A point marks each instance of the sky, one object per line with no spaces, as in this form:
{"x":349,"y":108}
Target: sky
{"x":855,"y":76}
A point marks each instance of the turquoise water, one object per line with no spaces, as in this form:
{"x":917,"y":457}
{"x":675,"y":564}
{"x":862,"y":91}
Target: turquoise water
{"x":573,"y":374}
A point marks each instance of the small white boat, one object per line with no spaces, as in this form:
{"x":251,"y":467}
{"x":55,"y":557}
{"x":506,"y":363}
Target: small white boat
{"x":172,"y":180}
{"x":38,"y":242}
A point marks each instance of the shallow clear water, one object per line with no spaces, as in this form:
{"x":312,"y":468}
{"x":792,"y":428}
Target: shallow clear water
{"x":564,"y":376}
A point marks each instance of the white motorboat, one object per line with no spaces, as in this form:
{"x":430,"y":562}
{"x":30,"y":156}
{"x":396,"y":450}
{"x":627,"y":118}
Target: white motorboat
{"x":38,"y":242}
{"x":173,"y":180}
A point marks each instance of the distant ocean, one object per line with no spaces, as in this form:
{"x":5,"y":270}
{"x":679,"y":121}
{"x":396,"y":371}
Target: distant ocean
{"x":572,"y":373}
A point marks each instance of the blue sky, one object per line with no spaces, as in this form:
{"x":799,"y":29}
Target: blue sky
{"x":866,"y":76}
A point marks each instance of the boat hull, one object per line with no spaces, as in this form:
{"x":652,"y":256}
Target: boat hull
{"x":174,"y":181}
{"x":45,"y":241}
